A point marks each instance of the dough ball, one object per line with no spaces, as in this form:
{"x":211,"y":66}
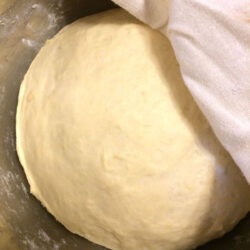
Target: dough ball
{"x":114,"y":146}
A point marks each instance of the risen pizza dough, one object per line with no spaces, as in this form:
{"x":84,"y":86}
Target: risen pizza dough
{"x":114,"y":146}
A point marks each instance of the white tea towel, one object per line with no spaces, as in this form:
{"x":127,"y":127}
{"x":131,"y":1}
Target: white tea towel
{"x":211,"y":40}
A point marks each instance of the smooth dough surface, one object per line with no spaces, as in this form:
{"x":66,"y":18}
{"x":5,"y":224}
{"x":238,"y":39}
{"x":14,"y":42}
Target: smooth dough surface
{"x":114,"y":146}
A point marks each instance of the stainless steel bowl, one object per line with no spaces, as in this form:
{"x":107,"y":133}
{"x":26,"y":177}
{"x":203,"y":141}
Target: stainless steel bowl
{"x":24,"y":223}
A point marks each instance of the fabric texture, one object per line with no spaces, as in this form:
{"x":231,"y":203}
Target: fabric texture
{"x":211,"y":40}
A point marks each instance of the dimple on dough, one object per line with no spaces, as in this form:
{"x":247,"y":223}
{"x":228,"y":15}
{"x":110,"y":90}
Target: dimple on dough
{"x":114,"y":146}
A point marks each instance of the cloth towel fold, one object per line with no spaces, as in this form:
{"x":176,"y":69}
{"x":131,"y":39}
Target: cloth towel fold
{"x":211,"y":40}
